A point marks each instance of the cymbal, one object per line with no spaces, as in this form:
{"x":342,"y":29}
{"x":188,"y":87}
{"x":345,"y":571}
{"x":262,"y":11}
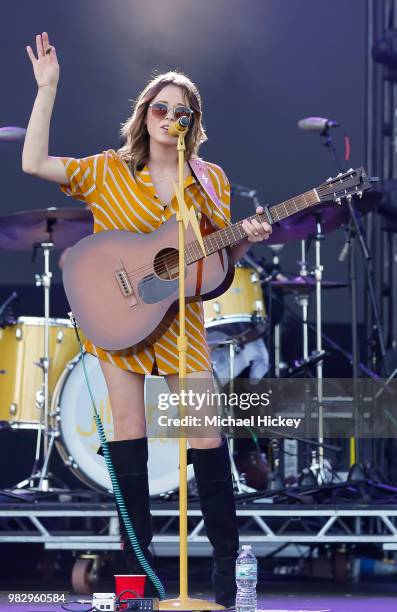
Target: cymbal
{"x":12,"y":132}
{"x":333,"y":216}
{"x":303,"y":284}
{"x":62,"y":226}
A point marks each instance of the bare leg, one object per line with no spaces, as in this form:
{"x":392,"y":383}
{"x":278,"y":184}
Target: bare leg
{"x":126,"y":393}
{"x":214,"y":438}
{"x":129,"y":454}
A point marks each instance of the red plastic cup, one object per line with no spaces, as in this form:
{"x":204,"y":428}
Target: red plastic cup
{"x":134,"y":583}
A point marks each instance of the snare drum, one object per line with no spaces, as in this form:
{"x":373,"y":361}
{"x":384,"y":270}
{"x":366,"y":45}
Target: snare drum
{"x":78,"y":439}
{"x":21,"y":347}
{"x":239,"y":310}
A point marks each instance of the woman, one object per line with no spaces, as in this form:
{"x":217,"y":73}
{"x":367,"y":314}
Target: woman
{"x":132,"y":189}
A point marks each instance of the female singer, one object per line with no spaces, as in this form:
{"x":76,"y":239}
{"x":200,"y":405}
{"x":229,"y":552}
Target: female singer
{"x":131,"y":189}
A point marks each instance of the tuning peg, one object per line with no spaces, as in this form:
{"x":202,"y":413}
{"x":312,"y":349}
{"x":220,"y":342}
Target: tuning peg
{"x":351,"y":170}
{"x":329,"y":180}
{"x":338,"y":201}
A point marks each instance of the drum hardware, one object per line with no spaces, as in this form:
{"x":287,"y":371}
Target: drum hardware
{"x":62,"y":226}
{"x":303,"y":285}
{"x":239,"y":318}
{"x":6,"y":314}
{"x":355,"y":232}
{"x":305,"y":365}
{"x":234,"y":347}
{"x":275,"y":481}
{"x":44,"y":435}
{"x":43,"y":229}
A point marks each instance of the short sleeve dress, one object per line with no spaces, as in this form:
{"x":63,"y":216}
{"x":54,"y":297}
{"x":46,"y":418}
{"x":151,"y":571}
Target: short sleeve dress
{"x":118,"y":201}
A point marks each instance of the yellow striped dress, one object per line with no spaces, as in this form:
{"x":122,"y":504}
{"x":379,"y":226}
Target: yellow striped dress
{"x":118,"y":201}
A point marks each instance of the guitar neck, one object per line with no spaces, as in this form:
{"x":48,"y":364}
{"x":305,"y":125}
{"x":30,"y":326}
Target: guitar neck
{"x":235,"y":233}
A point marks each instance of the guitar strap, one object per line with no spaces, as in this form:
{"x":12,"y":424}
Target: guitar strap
{"x":200,"y":170}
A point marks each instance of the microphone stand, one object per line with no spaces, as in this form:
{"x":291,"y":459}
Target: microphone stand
{"x":183,"y":602}
{"x":355,"y":231}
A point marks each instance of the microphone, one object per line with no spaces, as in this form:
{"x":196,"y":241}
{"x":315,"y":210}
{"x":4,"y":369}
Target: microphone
{"x":12,"y":133}
{"x":316,"y":124}
{"x":179,"y":127}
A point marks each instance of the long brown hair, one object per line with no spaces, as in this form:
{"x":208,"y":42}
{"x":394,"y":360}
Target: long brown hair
{"x":135,"y":151}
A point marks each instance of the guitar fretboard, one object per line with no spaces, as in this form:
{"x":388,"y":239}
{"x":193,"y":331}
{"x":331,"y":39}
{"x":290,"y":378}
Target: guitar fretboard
{"x":233,"y":234}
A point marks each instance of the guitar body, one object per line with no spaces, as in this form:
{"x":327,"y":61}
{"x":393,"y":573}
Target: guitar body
{"x":121,"y":293}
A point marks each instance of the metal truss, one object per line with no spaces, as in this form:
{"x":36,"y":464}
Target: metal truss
{"x":94,"y":527}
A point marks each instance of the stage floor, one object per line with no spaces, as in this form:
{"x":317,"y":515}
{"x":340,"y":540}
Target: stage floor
{"x":267,"y":603}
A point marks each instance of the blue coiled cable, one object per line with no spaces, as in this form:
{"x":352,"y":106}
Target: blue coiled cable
{"x":115,"y":485}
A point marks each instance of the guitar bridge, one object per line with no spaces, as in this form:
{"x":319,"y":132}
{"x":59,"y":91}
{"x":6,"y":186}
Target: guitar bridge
{"x":125,"y":285}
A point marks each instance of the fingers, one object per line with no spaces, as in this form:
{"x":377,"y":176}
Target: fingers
{"x":49,"y":51}
{"x":256,"y":231}
{"x":31,"y":54}
{"x":39,"y":47}
{"x":45,"y":41}
{"x":53,"y":55}
{"x":43,"y":48}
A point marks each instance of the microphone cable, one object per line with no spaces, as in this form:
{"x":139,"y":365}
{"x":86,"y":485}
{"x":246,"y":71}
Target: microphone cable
{"x":150,"y":573}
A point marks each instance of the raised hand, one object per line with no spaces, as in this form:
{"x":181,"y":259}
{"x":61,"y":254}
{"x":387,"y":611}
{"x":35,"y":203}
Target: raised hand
{"x":45,"y":66}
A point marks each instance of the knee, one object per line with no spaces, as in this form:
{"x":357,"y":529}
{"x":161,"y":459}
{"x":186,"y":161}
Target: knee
{"x":127,"y":428}
{"x":205,"y":443}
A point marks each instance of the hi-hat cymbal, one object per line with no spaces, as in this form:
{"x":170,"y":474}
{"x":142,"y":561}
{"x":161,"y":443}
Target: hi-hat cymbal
{"x":62,"y":226}
{"x":333,"y":216}
{"x":303,"y":284}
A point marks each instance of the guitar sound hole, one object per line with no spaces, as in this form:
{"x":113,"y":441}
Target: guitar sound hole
{"x":166,"y":264}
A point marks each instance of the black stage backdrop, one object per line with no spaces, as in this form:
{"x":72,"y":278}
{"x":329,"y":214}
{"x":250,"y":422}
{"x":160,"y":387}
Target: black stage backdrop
{"x":260,"y":65}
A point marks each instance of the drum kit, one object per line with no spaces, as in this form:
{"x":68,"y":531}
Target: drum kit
{"x":42,"y":385}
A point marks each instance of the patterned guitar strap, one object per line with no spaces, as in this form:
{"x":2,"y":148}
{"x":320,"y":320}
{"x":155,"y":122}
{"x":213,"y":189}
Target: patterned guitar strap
{"x":201,"y":172}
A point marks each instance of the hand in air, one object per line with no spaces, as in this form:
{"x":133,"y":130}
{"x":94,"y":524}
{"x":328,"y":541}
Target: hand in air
{"x":256,"y":232}
{"x":45,"y":66}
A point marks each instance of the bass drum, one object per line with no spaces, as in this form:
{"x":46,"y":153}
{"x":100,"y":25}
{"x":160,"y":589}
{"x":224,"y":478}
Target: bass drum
{"x":78,"y":440}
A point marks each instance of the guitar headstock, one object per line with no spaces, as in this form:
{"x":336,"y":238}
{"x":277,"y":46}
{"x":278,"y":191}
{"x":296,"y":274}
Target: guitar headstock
{"x":345,"y":184}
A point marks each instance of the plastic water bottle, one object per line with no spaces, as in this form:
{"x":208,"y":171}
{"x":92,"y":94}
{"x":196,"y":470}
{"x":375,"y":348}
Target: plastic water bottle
{"x":246,"y":579}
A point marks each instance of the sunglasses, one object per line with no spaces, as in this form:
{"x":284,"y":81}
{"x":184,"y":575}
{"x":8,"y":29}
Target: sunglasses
{"x":160,"y":110}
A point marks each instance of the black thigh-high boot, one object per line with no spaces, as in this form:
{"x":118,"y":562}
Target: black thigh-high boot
{"x":212,"y":470}
{"x":129,"y":458}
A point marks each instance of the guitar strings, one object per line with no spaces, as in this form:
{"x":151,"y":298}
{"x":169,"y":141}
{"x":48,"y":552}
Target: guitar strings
{"x":172,"y":259}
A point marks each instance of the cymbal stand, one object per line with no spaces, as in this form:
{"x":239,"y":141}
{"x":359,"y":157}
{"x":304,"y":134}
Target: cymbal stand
{"x":303,"y":301}
{"x":317,"y":465}
{"x":234,"y":347}
{"x":45,"y":437}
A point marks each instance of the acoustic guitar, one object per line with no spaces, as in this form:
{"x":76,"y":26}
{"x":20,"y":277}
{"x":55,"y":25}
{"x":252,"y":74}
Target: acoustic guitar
{"x":123,"y":286}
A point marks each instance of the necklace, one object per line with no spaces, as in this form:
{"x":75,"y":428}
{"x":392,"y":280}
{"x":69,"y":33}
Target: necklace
{"x":160,"y":178}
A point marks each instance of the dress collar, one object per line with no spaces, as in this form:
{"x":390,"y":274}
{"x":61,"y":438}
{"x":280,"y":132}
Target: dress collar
{"x":145,"y":182}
